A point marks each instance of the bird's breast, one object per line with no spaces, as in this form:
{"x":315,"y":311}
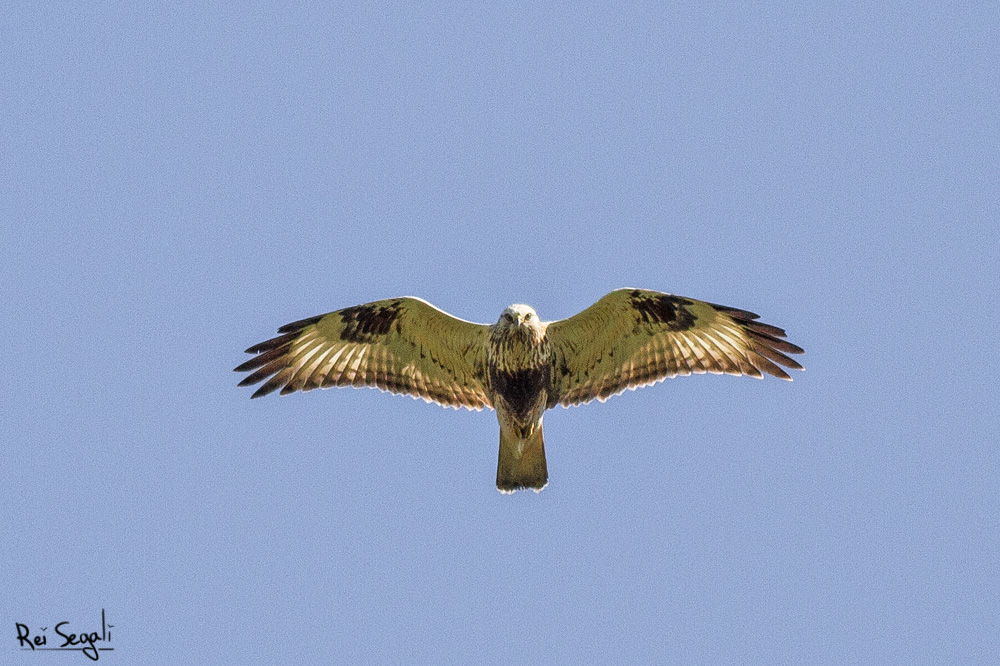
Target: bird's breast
{"x":519,"y":373}
{"x":521,"y":390}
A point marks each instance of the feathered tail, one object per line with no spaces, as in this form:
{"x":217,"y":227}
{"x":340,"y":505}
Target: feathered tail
{"x":522,"y":461}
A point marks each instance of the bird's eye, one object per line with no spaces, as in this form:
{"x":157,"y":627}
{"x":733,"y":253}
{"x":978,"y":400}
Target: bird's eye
{"x":507,"y":316}
{"x":527,"y":316}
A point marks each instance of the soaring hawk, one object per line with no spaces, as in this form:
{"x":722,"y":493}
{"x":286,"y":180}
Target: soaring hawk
{"x":519,"y":366}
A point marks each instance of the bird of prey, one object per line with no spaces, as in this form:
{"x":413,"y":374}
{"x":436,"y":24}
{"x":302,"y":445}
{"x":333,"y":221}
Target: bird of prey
{"x":519,"y":366}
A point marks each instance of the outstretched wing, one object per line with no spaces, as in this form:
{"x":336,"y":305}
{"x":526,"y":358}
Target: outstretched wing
{"x":402,"y":345}
{"x":635,"y":337}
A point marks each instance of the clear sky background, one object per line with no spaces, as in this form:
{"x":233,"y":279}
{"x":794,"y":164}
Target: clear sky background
{"x":178,"y":180}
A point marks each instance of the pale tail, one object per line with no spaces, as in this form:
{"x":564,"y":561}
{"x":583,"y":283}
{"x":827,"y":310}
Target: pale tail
{"x":522,"y":462}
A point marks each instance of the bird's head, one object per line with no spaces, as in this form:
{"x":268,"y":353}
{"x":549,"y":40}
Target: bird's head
{"x":520,"y":317}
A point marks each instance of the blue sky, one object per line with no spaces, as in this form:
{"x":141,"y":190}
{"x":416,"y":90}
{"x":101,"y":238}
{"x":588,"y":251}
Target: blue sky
{"x":178,"y":181}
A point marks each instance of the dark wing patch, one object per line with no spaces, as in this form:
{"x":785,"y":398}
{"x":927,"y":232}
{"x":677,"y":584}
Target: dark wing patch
{"x":666,"y":309}
{"x":633,"y":337}
{"x":402,"y":345}
{"x":362,"y":323}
